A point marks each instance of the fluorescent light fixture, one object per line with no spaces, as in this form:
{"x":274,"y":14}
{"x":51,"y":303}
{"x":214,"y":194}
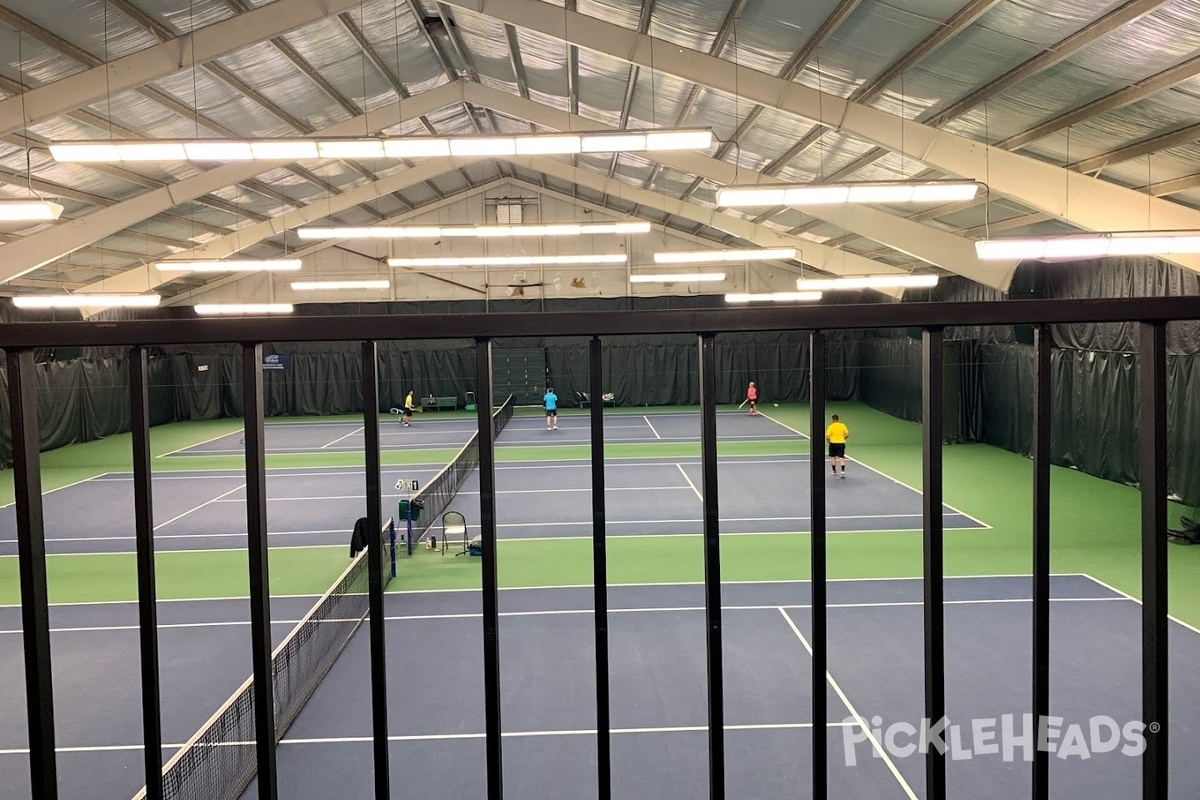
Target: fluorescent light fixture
{"x":717,"y":256}
{"x":806,"y":194}
{"x":218,"y":151}
{"x":230,"y":309}
{"x":85,"y":300}
{"x":679,"y":140}
{"x":508,"y":261}
{"x":211,"y":150}
{"x":547,"y":145}
{"x":684,"y":277}
{"x":29,"y":211}
{"x":351,"y":148}
{"x":866,"y":282}
{"x":416,"y":148}
{"x":316,"y":286}
{"x":231,"y":265}
{"x":477,"y":231}
{"x":1090,"y":245}
{"x":484,"y":146}
{"x":294,"y":150}
{"x":613,"y":143}
{"x":773,"y":297}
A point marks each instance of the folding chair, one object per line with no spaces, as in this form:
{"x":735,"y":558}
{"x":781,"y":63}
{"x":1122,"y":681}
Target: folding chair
{"x":454,"y":524}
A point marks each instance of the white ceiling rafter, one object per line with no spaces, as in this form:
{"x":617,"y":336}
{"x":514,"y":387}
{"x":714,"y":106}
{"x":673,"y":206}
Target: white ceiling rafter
{"x":167,"y":58}
{"x":1081,"y":200}
{"x":939,"y":248}
{"x":31,"y":252}
{"x":145,"y":277}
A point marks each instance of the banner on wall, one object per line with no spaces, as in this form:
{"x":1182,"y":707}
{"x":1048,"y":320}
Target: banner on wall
{"x":275,"y":361}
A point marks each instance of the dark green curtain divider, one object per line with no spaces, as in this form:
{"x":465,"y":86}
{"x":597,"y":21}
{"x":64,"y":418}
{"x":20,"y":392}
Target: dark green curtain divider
{"x":889,"y":377}
{"x":1006,"y":381}
{"x":1183,"y":427}
{"x":1095,"y":407}
{"x":104,"y":398}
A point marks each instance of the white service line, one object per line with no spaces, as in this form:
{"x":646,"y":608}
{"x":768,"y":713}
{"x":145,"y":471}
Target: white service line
{"x":683,"y":472}
{"x":196,"y":444}
{"x":651,"y":424}
{"x":862,"y":723}
{"x":978,"y":522}
{"x":1128,"y":596}
{"x":347,"y":436}
{"x":237,"y":488}
{"x":65,"y":486}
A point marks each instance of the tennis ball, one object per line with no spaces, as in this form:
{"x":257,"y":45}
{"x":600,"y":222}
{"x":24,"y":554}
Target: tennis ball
{"x":776,"y":405}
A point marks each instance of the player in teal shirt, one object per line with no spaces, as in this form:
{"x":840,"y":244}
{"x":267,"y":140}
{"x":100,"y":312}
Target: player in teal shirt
{"x":551,"y":401}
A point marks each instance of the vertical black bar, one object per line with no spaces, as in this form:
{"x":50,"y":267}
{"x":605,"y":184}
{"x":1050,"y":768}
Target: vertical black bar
{"x":931,"y":490}
{"x":491,"y":596}
{"x":31,"y":552}
{"x":260,"y":586}
{"x":379,"y":719}
{"x":1042,"y":394}
{"x":816,"y":410}
{"x":1152,"y":396}
{"x":143,"y":525}
{"x":600,"y":573}
{"x":712,"y":566}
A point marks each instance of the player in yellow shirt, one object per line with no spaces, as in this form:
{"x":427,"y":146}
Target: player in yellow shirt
{"x":836,"y":434}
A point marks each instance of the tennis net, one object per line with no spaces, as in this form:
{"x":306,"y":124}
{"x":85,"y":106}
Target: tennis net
{"x":437,"y":494}
{"x":219,"y":762}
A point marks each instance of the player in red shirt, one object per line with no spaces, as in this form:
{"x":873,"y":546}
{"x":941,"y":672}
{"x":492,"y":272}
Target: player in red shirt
{"x":752,"y":397}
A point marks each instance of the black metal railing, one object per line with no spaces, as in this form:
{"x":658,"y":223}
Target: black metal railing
{"x":1152,"y":314}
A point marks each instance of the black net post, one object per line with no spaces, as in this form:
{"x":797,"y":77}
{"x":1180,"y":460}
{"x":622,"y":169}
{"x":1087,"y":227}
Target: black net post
{"x":260,"y":586}
{"x":1152,"y":399}
{"x":600,"y":572}
{"x":1042,"y":394}
{"x":143,"y":524}
{"x":935,"y":612}
{"x":375,"y":567}
{"x":816,"y":441}
{"x":712,"y":566}
{"x":31,"y":555}
{"x":491,"y":596}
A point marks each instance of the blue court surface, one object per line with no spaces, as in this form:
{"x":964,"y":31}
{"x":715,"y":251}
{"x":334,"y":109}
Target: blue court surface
{"x":657,"y":683}
{"x":430,"y":431}
{"x":318,"y":507}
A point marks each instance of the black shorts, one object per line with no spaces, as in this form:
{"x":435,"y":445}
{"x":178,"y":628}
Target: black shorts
{"x":837,"y":450}
{"x":408,"y":412}
{"x":551,"y":412}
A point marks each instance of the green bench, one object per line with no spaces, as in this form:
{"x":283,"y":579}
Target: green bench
{"x":440,"y":403}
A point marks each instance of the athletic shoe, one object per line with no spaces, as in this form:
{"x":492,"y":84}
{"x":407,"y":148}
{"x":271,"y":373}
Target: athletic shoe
{"x":555,"y":427}
{"x":843,"y":476}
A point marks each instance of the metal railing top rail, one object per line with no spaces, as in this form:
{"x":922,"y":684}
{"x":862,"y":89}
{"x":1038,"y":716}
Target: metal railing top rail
{"x":18,"y":335}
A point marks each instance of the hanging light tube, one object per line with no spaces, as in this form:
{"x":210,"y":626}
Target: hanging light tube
{"x":866,"y":282}
{"x":682,"y":277}
{"x":812,"y":194}
{"x":717,"y":256}
{"x":508,"y":261}
{"x":474,"y":231}
{"x":315,"y":286}
{"x":773,"y":297}
{"x":29,"y":211}
{"x":1090,"y":245}
{"x":217,"y":150}
{"x":234,"y":309}
{"x":231,"y":265}
{"x":85,"y":300}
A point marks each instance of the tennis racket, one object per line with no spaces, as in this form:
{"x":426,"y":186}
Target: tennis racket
{"x":744,"y":403}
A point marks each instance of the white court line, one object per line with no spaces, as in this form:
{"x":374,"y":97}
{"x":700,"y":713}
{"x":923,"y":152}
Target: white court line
{"x":765,"y":607}
{"x":239,"y":487}
{"x":588,"y":522}
{"x":652,"y":430}
{"x":979,"y":522}
{"x":448,"y":737}
{"x":725,"y":534}
{"x":169,"y":600}
{"x":347,"y":436}
{"x":476,"y":491}
{"x":197,"y":444}
{"x":854,"y":713}
{"x":689,"y":481}
{"x":1128,"y":596}
{"x":65,"y":486}
{"x":162,"y":536}
{"x":232,"y":623}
